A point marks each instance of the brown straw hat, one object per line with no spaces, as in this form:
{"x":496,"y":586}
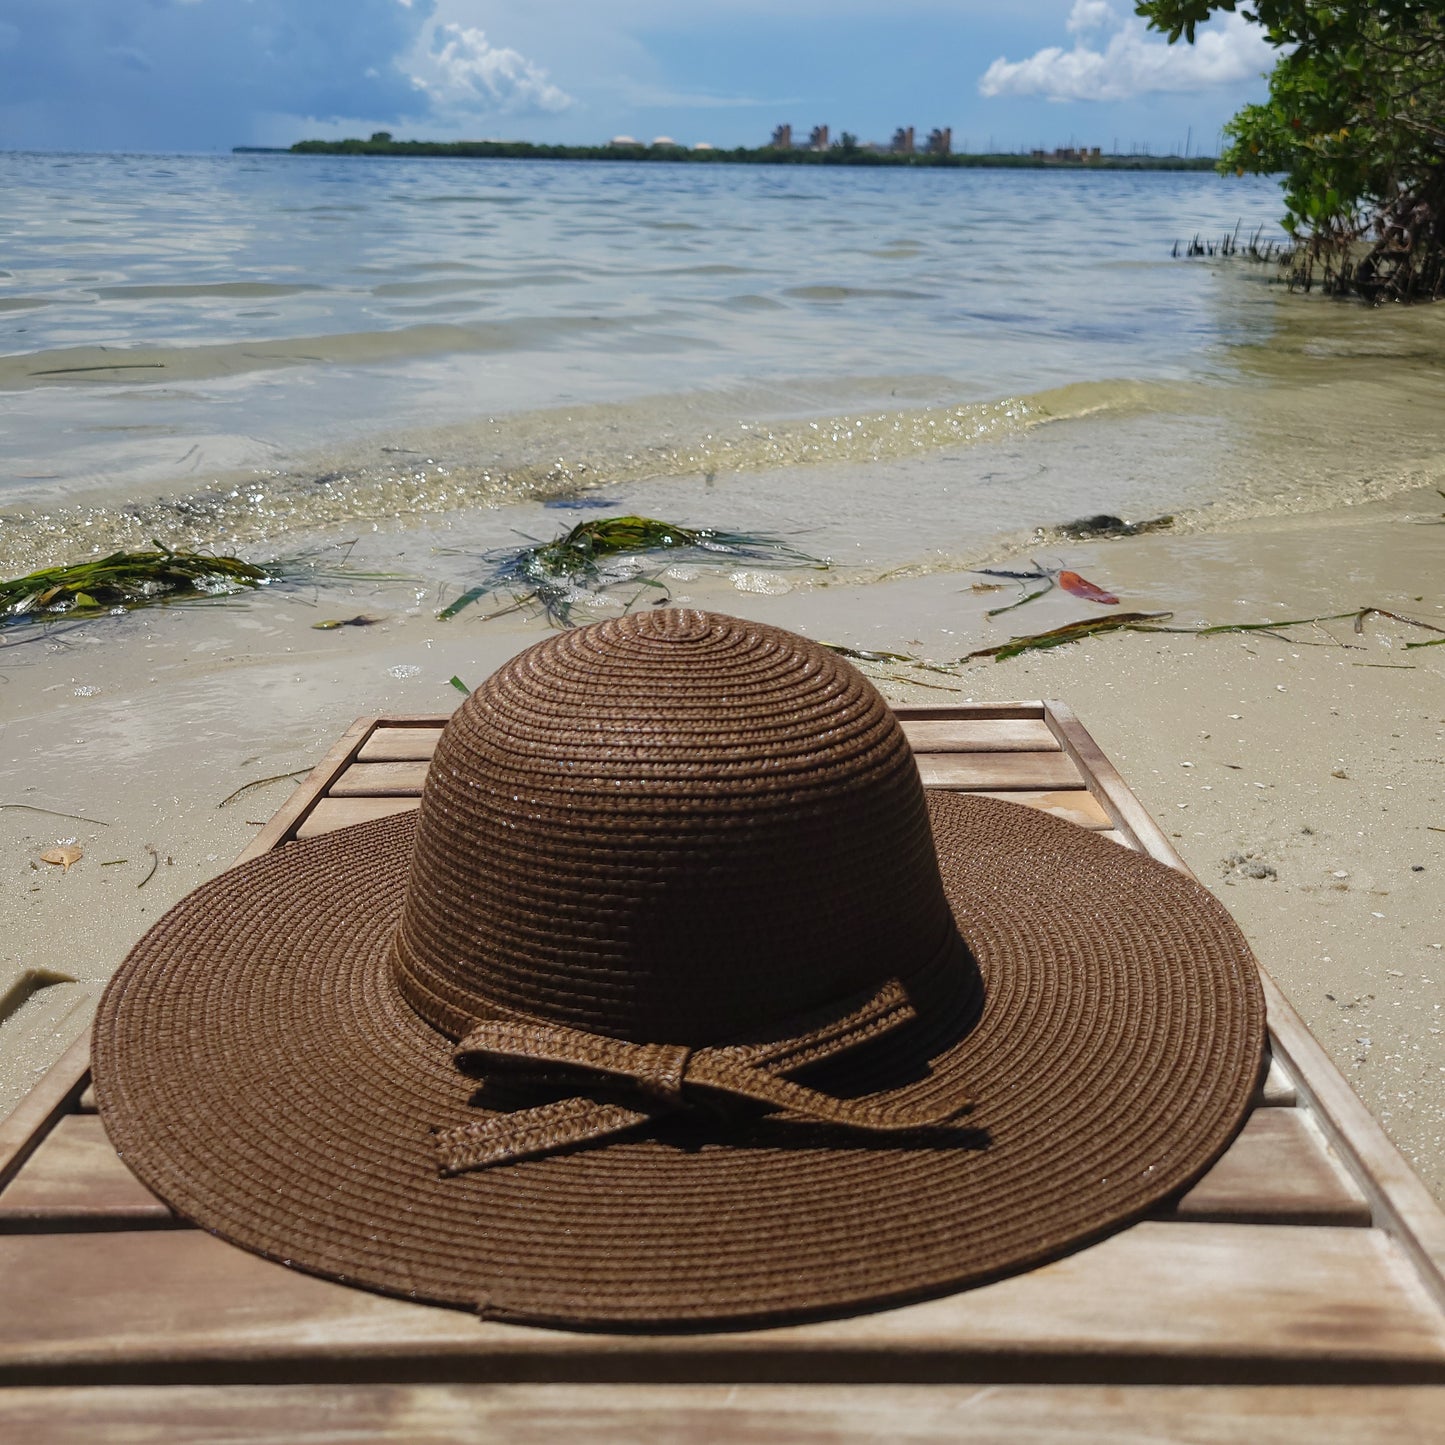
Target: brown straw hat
{"x":676,"y":1005}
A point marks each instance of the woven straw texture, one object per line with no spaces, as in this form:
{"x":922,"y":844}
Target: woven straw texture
{"x":680,"y":829}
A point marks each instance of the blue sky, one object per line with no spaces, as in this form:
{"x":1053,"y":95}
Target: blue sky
{"x":198,"y":75}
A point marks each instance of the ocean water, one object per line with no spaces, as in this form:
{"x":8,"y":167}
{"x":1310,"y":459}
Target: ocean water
{"x":907,"y":366}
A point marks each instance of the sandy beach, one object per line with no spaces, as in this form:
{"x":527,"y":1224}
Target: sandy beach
{"x":1303,"y":780}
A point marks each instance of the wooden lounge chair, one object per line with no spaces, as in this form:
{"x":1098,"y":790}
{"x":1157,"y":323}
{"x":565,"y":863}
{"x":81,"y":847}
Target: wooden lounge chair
{"x":1296,"y":1292}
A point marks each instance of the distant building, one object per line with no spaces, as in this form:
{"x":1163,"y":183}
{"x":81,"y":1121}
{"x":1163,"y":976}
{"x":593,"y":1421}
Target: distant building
{"x":818,"y":138}
{"x":663,"y":140}
{"x":704,"y":145}
{"x":1069,"y":155}
{"x":902,"y":143}
{"x":940,"y":141}
{"x":782,"y":138}
{"x":622,"y":140}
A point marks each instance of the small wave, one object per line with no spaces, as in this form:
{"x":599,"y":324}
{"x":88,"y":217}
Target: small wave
{"x":99,"y":365}
{"x":456,"y":286}
{"x":850,"y":293}
{"x":248,"y":290}
{"x":461,"y":200}
{"x":715,"y":268}
{"x":540,"y":455}
{"x":750,"y":302}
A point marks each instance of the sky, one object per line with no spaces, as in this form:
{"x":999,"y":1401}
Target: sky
{"x":205,"y":75}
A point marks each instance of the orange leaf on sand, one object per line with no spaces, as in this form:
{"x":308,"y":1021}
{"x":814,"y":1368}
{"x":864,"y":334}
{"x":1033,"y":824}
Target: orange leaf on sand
{"x":63,"y":856}
{"x":1081,"y":587}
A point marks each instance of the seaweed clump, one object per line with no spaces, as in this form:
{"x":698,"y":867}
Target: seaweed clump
{"x":607,"y":553}
{"x":125,"y":580}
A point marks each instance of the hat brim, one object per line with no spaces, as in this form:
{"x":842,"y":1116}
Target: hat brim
{"x":258,"y":1069}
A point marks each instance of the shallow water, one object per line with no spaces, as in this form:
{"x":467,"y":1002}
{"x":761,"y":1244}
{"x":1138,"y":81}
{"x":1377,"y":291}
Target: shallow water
{"x":909,"y":365}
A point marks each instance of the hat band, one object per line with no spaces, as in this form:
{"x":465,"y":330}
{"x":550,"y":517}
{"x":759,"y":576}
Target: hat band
{"x":671,"y":1078}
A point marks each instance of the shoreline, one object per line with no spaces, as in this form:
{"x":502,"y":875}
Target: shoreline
{"x":1234,"y":743}
{"x":836,"y":155}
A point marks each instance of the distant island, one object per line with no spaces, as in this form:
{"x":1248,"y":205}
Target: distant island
{"x":819,"y":151}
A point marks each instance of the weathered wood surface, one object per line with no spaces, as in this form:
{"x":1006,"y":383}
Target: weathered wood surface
{"x":75,"y":1180}
{"x":976,"y":769}
{"x":1000,"y":731}
{"x":1001,"y":772}
{"x":400,"y":744}
{"x":27,"y":1124}
{"x":1278,"y":1171}
{"x":1074,"y":805}
{"x":1401,"y":1204}
{"x":542,"y":1414}
{"x":379,"y":780}
{"x":1106,"y":784}
{"x":283,"y":822}
{"x":1158,"y":1303}
{"x":332,"y":813}
{"x":1304,"y":1291}
{"x":981,"y":735}
{"x":1277,"y":1090}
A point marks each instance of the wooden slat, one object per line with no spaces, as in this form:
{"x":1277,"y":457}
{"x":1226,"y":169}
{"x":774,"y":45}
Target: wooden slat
{"x":1158,"y":1303}
{"x":1277,"y":1091}
{"x":1002,"y":731}
{"x":24,"y":1127}
{"x":75,"y":1180}
{"x":1399,"y":1201}
{"x":1127,"y":811}
{"x":379,"y":780}
{"x":1278,"y":1171}
{"x":909,"y":711}
{"x":1401,"y":1204}
{"x":283,"y":823}
{"x":390,"y":744}
{"x":541,"y":1414}
{"x":979,"y":735}
{"x":332,"y":813}
{"x":1077,"y":805}
{"x":999,"y":772}
{"x":404,"y":779}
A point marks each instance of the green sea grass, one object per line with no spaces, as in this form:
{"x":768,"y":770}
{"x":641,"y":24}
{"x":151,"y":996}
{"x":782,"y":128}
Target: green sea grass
{"x":605,"y":553}
{"x":125,"y":580}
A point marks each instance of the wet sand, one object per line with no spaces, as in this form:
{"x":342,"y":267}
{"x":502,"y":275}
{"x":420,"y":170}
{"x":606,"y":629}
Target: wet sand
{"x":1317,"y":765}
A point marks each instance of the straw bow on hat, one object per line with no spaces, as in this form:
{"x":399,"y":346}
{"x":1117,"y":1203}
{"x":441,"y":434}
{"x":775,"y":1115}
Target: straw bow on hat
{"x":679,"y":1003}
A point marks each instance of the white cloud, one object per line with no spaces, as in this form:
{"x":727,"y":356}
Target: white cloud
{"x":461,"y":72}
{"x":1093,"y":15}
{"x":1134,"y":61}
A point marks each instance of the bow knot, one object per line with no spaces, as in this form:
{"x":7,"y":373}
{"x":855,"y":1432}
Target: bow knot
{"x":670,"y":1078}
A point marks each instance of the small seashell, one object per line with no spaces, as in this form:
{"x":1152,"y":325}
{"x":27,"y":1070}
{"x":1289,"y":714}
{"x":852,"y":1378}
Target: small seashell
{"x":64,"y":856}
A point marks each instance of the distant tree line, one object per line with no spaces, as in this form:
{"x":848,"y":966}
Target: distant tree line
{"x":845,"y":151}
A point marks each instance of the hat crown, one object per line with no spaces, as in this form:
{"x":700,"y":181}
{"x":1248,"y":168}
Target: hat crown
{"x":672,"y":827}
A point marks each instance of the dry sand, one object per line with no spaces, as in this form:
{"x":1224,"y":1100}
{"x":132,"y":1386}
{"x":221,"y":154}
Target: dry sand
{"x":1317,"y":765}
